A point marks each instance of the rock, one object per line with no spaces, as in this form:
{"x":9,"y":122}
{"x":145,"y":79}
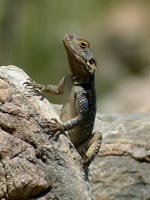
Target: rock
{"x":121,"y":171}
{"x":33,"y":165}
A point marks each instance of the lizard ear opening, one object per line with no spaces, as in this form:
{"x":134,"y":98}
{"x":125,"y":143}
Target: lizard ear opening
{"x":92,"y":65}
{"x":92,"y":61}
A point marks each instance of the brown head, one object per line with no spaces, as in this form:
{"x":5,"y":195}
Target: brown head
{"x":81,"y":59}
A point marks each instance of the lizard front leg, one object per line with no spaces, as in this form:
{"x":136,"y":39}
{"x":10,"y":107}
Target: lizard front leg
{"x":81,"y":104}
{"x":82,"y":108}
{"x":53,"y":89}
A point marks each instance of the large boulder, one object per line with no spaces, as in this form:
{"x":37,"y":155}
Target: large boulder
{"x":122,"y":169}
{"x":34,"y":165}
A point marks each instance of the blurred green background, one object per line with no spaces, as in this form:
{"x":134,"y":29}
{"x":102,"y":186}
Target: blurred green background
{"x":31,"y":33}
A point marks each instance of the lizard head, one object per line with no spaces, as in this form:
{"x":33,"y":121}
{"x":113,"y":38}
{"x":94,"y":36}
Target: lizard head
{"x":81,"y":59}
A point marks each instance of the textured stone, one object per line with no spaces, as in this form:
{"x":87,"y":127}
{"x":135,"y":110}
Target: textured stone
{"x":34,"y":165}
{"x":122,"y":169}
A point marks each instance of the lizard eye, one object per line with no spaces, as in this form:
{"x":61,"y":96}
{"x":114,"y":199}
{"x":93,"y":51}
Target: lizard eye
{"x":83,"y":45}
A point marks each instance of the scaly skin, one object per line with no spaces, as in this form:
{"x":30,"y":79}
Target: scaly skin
{"x":79,"y":105}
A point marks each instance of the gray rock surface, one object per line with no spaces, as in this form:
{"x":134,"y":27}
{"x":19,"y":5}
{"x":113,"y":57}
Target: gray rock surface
{"x":32,"y":165}
{"x":36,"y":167}
{"x":121,"y":171}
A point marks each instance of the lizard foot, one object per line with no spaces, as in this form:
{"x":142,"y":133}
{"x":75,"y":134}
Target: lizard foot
{"x":32,"y":84}
{"x":55,"y":125}
{"x":90,"y":148}
{"x":57,"y":128}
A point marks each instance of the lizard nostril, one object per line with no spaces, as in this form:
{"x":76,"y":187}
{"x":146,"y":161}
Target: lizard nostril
{"x":68,"y":36}
{"x":71,"y":36}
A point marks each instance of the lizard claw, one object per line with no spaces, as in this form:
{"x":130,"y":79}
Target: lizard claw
{"x":28,"y":82}
{"x":34,"y":88}
{"x":55,"y":125}
{"x":32,"y":84}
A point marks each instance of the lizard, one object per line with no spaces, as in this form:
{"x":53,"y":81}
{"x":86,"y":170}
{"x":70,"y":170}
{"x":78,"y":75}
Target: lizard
{"x":79,"y":104}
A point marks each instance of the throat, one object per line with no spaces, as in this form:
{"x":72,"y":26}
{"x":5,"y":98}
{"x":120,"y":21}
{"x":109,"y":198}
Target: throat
{"x":78,"y":80}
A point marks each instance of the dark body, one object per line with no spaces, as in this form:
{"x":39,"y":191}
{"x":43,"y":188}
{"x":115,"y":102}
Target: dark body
{"x":79,"y":109}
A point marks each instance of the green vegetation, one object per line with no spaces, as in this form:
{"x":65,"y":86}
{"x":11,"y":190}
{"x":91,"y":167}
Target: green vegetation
{"x":31,"y":33}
